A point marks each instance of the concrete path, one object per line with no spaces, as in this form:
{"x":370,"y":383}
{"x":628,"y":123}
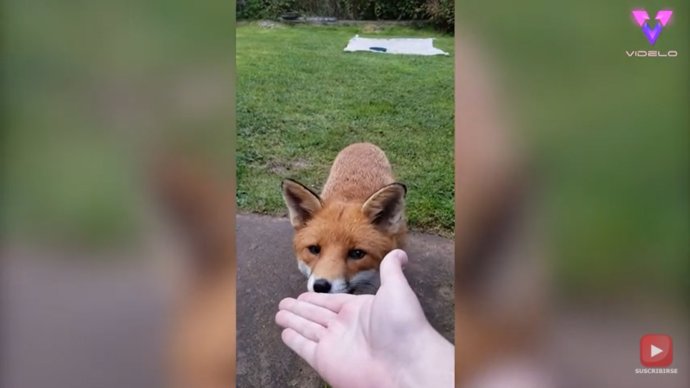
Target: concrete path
{"x":67,"y":322}
{"x":267,"y":272}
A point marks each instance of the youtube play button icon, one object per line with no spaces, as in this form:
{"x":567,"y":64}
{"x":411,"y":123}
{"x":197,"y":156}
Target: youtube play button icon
{"x":656,"y":350}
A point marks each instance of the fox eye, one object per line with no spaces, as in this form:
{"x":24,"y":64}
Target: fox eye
{"x":314,"y":249}
{"x":355,"y":254}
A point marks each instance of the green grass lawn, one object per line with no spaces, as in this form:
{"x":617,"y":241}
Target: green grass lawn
{"x":301,"y":99}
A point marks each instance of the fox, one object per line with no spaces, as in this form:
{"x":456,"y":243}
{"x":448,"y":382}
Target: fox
{"x":342,"y":235}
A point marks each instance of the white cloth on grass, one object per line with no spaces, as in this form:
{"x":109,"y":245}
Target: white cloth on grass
{"x":410,"y":46}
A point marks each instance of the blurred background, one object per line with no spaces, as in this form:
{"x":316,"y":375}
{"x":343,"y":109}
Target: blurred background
{"x":571,"y":192}
{"x":117,"y":122}
{"x":577,"y":156}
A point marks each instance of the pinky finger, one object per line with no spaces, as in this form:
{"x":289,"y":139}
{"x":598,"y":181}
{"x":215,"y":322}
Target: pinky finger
{"x":303,"y":346}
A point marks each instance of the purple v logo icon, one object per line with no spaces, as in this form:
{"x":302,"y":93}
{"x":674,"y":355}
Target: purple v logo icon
{"x":662,"y":18}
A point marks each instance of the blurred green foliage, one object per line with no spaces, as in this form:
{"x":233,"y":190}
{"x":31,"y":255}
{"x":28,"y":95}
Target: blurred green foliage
{"x":88,"y":89}
{"x":608,"y":135}
{"x":441,"y":13}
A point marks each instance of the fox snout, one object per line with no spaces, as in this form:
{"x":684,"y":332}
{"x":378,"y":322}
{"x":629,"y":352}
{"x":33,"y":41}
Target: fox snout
{"x":364,"y":282}
{"x":323,"y":284}
{"x":327,"y":286}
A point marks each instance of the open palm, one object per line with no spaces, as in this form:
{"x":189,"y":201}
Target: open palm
{"x":380,"y":340}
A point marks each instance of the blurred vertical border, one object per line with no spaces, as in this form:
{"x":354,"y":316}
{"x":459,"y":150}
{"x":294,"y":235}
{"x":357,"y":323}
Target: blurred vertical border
{"x":117,"y":193}
{"x":571,"y":192}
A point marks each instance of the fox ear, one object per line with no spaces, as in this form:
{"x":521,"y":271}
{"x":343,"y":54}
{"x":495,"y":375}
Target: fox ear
{"x":385,"y":208}
{"x":301,"y":202}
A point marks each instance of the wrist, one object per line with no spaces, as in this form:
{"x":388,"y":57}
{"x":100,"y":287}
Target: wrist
{"x":430,"y":362}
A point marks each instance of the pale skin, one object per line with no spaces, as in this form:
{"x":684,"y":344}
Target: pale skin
{"x":358,"y":341}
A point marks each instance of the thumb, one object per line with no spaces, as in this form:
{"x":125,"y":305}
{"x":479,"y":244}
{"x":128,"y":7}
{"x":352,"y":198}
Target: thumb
{"x":391,"y":268}
{"x":396,"y":291}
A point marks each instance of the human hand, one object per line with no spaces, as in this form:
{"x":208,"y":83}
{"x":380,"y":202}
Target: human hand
{"x":381,"y":340}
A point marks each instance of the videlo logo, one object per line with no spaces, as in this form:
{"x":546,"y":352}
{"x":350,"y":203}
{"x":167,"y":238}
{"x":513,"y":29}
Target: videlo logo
{"x":651,"y":29}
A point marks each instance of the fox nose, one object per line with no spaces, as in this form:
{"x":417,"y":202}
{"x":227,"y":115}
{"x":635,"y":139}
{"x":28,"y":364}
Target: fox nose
{"x":322,"y":285}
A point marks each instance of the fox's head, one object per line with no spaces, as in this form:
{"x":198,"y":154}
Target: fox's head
{"x":339,"y":245}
